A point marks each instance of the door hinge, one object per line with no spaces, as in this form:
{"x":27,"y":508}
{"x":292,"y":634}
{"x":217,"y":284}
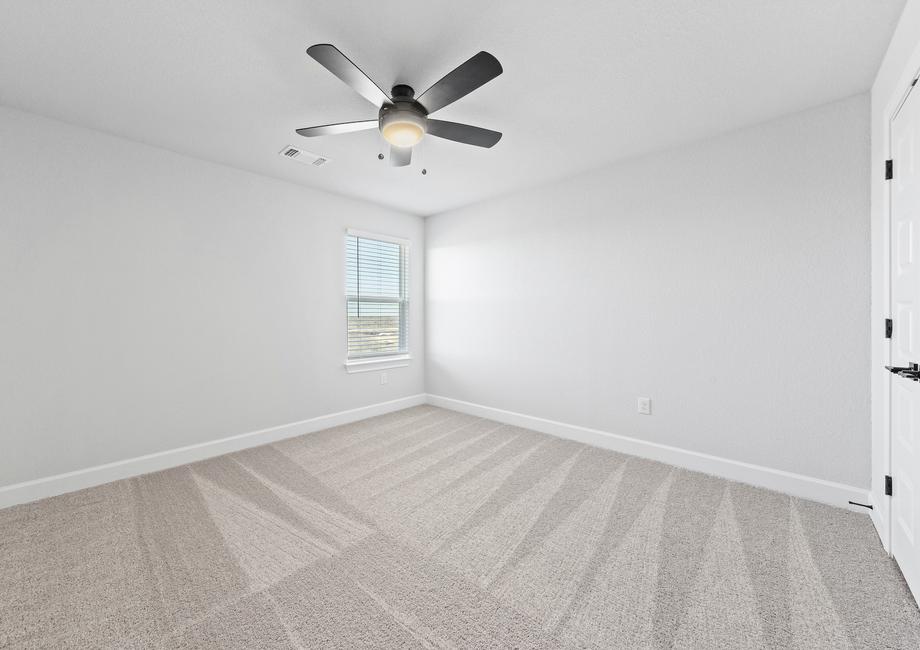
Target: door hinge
{"x":889,"y":326}
{"x":889,"y":170}
{"x":887,"y":486}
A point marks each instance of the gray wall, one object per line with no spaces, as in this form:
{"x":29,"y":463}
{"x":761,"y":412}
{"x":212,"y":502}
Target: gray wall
{"x":152,"y":301}
{"x":727,"y":280}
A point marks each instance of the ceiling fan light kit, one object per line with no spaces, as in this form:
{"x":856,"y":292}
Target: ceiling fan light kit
{"x":403,"y":123}
{"x":402,"y":119}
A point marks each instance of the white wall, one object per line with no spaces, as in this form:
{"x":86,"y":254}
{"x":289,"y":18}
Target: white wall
{"x":152,"y":301}
{"x":726,"y":280}
{"x":899,"y":67}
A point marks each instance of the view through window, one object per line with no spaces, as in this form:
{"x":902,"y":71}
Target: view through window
{"x":376,"y":290}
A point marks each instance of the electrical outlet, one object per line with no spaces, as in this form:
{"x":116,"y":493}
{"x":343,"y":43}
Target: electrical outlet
{"x":383,"y":378}
{"x":645,"y":405}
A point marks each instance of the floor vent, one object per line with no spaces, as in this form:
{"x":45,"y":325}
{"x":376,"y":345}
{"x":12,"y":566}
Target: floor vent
{"x":305,"y":157}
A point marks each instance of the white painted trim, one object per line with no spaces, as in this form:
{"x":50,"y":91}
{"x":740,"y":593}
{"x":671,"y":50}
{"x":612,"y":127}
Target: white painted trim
{"x":90,"y":476}
{"x":364,"y":234}
{"x":798,"y":485}
{"x":881,"y":516}
{"x":379,"y":363}
{"x":879,"y":520}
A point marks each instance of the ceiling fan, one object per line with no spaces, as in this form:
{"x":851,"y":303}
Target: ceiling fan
{"x":402,"y":118}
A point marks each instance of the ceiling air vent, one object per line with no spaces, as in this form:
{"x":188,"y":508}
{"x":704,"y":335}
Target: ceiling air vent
{"x":305,"y":157}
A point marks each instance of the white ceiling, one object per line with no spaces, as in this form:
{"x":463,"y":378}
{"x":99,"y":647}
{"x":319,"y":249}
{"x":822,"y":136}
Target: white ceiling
{"x":585,"y":83}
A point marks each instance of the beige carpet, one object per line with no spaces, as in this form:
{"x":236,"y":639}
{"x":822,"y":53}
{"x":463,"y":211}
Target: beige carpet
{"x":431,"y":529}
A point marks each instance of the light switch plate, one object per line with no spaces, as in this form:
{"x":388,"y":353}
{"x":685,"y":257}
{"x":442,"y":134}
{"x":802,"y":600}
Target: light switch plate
{"x":645,"y":405}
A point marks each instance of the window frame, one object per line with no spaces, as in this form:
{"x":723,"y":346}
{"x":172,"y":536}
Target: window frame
{"x":385,"y":360}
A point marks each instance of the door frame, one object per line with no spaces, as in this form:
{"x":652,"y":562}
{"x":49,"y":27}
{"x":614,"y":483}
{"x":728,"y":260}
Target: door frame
{"x":881,"y":513}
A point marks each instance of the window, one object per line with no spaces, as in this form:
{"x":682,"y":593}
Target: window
{"x":377,"y":300}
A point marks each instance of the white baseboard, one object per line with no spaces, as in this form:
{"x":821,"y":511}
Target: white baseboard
{"x":84,"y":478}
{"x":798,"y":485}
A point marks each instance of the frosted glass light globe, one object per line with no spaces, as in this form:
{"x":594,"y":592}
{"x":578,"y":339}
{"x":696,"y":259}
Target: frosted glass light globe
{"x":403,"y":134}
{"x":402,"y":126}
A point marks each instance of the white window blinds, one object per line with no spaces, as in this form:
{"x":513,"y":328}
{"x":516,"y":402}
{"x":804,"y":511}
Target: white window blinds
{"x":377,"y":299}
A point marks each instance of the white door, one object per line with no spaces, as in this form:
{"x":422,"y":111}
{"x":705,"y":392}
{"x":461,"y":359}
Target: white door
{"x":905,"y":312}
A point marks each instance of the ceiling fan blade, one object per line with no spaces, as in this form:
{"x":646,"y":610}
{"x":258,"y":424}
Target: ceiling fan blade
{"x":342,"y":67}
{"x":335,"y":129}
{"x":464,"y":133}
{"x":400,"y":156}
{"x":461,"y":81}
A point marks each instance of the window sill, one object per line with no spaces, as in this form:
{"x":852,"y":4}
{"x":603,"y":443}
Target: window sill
{"x":377,"y":363}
